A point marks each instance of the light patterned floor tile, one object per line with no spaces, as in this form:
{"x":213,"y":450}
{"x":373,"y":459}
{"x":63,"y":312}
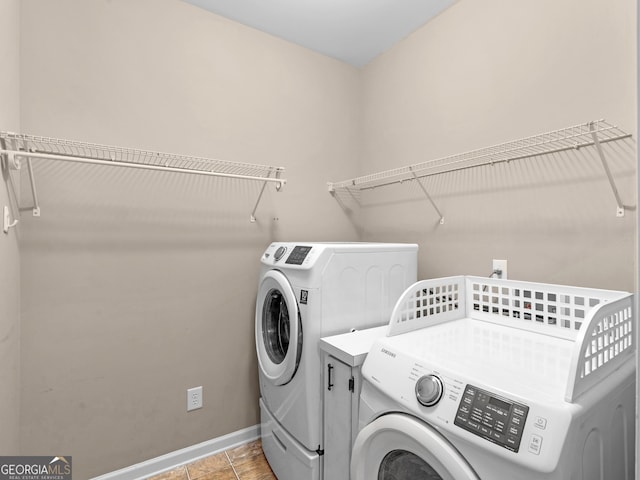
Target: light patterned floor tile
{"x":179,"y":473}
{"x":216,"y":463}
{"x":224,"y":474}
{"x":254,"y":468}
{"x":249,"y":463}
{"x":245,"y":452}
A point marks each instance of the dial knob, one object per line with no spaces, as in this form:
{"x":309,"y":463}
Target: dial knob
{"x":279,"y":253}
{"x":429,"y":390}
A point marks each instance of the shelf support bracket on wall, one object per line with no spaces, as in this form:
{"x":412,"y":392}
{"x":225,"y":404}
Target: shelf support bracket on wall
{"x":14,"y":163}
{"x":612,"y":183}
{"x":6,"y":221}
{"x":252,"y":218}
{"x":424,"y":190}
{"x":34,"y":192}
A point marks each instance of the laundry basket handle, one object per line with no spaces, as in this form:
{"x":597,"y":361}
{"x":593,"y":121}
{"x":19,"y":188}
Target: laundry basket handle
{"x":604,"y":343}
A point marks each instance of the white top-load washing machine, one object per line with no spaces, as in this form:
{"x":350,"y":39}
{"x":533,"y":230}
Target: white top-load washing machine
{"x":308,"y":291}
{"x":486,"y":379}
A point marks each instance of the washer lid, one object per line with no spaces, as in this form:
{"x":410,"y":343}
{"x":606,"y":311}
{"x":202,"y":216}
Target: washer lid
{"x":399,"y":447}
{"x":278,"y":329}
{"x":517,"y":362}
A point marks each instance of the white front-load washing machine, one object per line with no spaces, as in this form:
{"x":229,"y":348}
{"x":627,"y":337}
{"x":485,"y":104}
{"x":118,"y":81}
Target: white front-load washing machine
{"x":308,"y":291}
{"x":487,"y":379}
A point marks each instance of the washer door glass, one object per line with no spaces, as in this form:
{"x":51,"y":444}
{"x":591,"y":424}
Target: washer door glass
{"x":399,"y":464}
{"x":401,"y":447}
{"x":278,"y":328}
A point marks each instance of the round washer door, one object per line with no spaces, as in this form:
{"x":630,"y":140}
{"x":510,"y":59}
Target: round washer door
{"x":400,"y":447}
{"x":278,"y":328}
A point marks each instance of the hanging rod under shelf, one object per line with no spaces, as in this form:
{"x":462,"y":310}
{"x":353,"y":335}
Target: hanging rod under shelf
{"x":588,"y":134}
{"x":20,"y":146}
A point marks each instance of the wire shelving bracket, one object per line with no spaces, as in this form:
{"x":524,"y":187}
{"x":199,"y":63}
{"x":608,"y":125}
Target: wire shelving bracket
{"x":16,"y":147}
{"x":593,"y":133}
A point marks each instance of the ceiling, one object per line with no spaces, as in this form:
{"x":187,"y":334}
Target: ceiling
{"x":353,"y":31}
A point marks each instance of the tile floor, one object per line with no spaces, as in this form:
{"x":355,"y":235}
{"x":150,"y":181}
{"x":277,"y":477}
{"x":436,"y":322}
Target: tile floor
{"x":246,"y":462}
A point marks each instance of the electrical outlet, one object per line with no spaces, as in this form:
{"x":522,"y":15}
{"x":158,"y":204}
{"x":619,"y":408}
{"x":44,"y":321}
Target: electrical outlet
{"x":194,"y":398}
{"x":500,"y":265}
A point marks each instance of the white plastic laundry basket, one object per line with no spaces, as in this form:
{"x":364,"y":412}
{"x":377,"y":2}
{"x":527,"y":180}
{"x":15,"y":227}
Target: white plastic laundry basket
{"x":601,"y":323}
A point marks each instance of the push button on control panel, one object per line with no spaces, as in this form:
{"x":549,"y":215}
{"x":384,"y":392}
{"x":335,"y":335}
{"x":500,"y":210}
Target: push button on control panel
{"x":496,"y":419}
{"x":540,"y":423}
{"x":535,"y":444}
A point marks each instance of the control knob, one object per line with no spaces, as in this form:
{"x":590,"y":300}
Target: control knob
{"x":279,"y":253}
{"x":429,"y":390}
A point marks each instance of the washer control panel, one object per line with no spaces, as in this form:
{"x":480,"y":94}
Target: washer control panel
{"x":291,"y":255}
{"x":297,"y":256}
{"x":494,"y":418}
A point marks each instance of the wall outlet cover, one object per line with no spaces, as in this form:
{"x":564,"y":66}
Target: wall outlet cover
{"x":194,"y":398}
{"x":502,"y":266}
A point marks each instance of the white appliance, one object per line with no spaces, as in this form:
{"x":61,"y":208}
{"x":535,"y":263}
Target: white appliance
{"x":307,"y":291}
{"x":485,"y":379}
{"x":343,"y":356}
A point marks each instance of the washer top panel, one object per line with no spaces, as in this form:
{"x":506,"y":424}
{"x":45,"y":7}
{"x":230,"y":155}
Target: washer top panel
{"x":304,"y":255}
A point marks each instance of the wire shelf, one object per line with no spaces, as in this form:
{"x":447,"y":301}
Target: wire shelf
{"x":21,"y":146}
{"x":36,"y":146}
{"x":570,"y":138}
{"x":588,"y":134}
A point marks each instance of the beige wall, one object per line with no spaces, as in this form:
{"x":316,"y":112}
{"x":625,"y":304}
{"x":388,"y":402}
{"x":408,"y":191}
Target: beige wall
{"x":490,"y":71}
{"x":9,"y":251}
{"x":138,"y":285}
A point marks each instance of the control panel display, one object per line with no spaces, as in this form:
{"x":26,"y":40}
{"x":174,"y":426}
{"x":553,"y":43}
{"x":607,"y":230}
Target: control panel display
{"x":496,"y":419}
{"x":297,"y":256}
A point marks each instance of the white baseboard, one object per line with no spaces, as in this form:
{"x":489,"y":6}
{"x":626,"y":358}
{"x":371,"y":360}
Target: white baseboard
{"x":171,"y":460}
